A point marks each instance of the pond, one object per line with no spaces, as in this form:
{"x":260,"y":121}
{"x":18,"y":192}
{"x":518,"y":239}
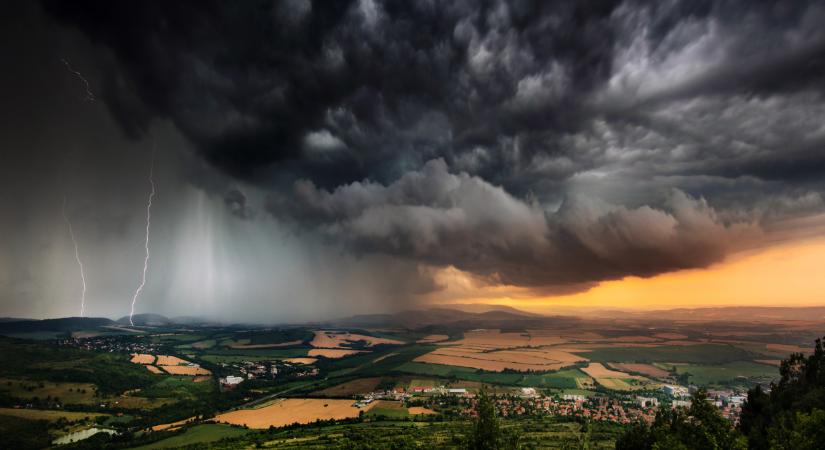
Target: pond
{"x":80,"y":435}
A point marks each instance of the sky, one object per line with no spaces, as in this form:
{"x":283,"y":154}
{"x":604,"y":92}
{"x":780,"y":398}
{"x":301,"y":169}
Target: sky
{"x":317,"y":159}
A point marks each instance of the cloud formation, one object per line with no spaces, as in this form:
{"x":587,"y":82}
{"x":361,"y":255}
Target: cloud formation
{"x":551,"y":145}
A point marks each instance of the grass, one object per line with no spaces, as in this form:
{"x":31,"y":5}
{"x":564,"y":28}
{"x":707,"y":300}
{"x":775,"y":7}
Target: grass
{"x":179,"y":388}
{"x":198,"y":434}
{"x":390,"y":409}
{"x":701,"y":354}
{"x":704,"y":374}
{"x":50,"y":415}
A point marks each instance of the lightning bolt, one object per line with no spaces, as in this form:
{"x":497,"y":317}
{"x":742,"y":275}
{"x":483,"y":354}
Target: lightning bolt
{"x":77,"y":258}
{"x":148,"y":223}
{"x":89,"y":95}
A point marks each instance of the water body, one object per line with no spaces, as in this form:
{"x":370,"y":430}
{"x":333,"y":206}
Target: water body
{"x":80,"y":435}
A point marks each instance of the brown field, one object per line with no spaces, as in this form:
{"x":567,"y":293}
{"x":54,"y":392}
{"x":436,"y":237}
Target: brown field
{"x":597,"y":370}
{"x":186,"y":370}
{"x":495,"y":351}
{"x":201,"y":379}
{"x":167,"y":426}
{"x":631,"y":339}
{"x":143,"y":358}
{"x":495,"y":339}
{"x":332,"y":353}
{"x":166,"y":360}
{"x":300,"y":360}
{"x":154,"y":369}
{"x":416,"y":410}
{"x":349,"y":388}
{"x":433,"y":338}
{"x":646,"y":369}
{"x":670,"y":336}
{"x":281,"y":344}
{"x":291,"y":410}
{"x":340,"y":339}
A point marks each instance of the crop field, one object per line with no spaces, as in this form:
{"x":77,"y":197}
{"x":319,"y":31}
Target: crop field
{"x":166,"y":360}
{"x":612,"y":379}
{"x":198,"y":434}
{"x":343,"y":339}
{"x":700,"y":353}
{"x":645,"y":369}
{"x":350,"y":388}
{"x":300,"y":360}
{"x":143,"y":359}
{"x":432,"y":338}
{"x":704,"y":374}
{"x":332,"y":353}
{"x":292,"y":410}
{"x":388,"y":408}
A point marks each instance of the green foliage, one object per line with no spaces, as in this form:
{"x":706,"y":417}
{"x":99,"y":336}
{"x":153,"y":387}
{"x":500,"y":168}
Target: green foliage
{"x":700,"y":427}
{"x":486,"y":432}
{"x":788,"y":417}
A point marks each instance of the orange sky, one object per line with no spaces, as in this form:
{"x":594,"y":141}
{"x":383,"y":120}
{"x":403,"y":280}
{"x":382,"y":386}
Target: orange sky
{"x":788,"y":274}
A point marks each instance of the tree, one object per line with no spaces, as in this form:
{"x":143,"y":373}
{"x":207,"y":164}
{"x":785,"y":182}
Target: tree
{"x":700,"y":427}
{"x":486,"y":433}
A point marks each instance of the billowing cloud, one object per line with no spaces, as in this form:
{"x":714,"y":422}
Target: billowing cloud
{"x":446,"y":219}
{"x":546,"y":145}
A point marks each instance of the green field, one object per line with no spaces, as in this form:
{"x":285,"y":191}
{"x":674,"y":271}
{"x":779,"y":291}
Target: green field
{"x":705,"y":374}
{"x":198,"y":434}
{"x":389,"y":409}
{"x":562,"y":379}
{"x":701,"y":353}
{"x":68,"y":393}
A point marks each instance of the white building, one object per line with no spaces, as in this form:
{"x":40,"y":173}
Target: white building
{"x":231,"y":380}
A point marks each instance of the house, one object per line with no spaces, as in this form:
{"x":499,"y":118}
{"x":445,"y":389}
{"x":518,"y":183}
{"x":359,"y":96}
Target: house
{"x":231,"y":380}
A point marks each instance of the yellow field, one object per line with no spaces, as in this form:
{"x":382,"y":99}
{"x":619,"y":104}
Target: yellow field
{"x":433,"y":338}
{"x":332,"y":353}
{"x":44,"y":414}
{"x":143,"y":359}
{"x":337,"y":339}
{"x":167,"y":426}
{"x":415,"y":410}
{"x":292,"y":410}
{"x":300,"y":360}
{"x":154,"y":369}
{"x":166,"y":360}
{"x":613,"y":379}
{"x":495,"y":351}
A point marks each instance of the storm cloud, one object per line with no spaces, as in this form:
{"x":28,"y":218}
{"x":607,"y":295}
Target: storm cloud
{"x":548,"y":145}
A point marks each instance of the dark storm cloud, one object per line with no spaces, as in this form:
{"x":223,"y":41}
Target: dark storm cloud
{"x":545,"y":144}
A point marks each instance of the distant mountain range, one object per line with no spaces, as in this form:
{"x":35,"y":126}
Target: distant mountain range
{"x":459,"y":316}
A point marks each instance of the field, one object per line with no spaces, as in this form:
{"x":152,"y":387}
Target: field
{"x":432,"y":338}
{"x":68,"y":393}
{"x":332,"y":353}
{"x":645,"y":369}
{"x":704,"y":374}
{"x":615,"y":380}
{"x":388,"y":408}
{"x":166,"y":360}
{"x":289,"y":411}
{"x":300,"y":360}
{"x":185,"y":370}
{"x":41,"y":414}
{"x":344,"y":339}
{"x":143,"y":359}
{"x":351,"y":388}
{"x":198,"y":434}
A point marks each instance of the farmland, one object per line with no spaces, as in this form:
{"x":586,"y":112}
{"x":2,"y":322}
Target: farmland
{"x":289,"y":411}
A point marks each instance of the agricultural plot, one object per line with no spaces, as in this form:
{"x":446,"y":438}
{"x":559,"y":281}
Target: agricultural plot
{"x":432,"y":338}
{"x":700,"y":353}
{"x":612,"y":379}
{"x":528,"y":359}
{"x":388,"y":408}
{"x":332,"y":353}
{"x":644,"y":369}
{"x":351,"y":388}
{"x":197,"y":435}
{"x":742,"y":371}
{"x":68,"y":393}
{"x":344,"y":339}
{"x":289,"y":411}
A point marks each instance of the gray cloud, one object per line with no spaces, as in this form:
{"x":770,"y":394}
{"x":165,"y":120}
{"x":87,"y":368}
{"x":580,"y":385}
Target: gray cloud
{"x":442,"y":218}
